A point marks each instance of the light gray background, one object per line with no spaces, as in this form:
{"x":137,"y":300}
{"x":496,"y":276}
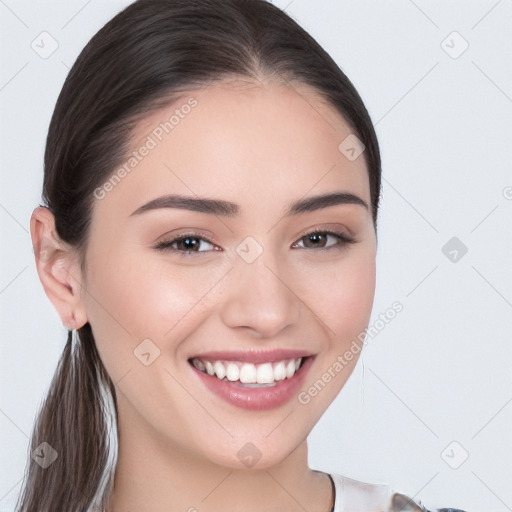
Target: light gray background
{"x":441,"y":370}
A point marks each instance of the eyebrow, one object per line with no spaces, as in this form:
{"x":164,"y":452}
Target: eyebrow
{"x":228,"y":209}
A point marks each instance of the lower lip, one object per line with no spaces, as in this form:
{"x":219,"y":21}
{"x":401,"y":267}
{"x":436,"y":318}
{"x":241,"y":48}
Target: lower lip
{"x":256,"y":399}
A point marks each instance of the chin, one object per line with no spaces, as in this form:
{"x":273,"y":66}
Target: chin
{"x":251,"y":455}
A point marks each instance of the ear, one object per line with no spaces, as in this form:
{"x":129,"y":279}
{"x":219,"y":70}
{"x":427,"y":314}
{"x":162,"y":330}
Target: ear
{"x":58,"y":268}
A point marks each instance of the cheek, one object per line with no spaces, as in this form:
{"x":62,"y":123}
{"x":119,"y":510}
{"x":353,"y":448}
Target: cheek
{"x":342,"y":296}
{"x":136,"y":298}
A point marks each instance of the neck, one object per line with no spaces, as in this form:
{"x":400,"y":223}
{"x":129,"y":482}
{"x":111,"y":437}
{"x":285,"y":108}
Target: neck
{"x":155,"y":476}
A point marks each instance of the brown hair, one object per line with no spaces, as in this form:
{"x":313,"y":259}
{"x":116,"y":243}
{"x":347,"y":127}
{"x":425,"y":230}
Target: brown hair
{"x":139,"y":61}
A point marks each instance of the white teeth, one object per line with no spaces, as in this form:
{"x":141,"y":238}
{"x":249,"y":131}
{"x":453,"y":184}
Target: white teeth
{"x":248,"y":374}
{"x":280,"y":371}
{"x":209,"y":368}
{"x":290,"y":368}
{"x":232,"y":372}
{"x":265,"y":374}
{"x":252,"y":375}
{"x":219,"y":369}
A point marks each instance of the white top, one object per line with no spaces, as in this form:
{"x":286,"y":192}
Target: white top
{"x":356,"y":496}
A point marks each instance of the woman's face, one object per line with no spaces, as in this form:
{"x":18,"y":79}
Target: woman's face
{"x":244,"y":279}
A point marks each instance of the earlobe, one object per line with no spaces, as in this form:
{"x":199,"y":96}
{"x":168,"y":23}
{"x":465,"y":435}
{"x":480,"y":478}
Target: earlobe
{"x":58,"y":269}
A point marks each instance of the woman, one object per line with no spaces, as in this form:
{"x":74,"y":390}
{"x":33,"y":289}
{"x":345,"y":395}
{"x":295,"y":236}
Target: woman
{"x":208,"y":237}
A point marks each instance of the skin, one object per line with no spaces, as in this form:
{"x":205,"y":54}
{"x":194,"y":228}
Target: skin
{"x":261,"y":145}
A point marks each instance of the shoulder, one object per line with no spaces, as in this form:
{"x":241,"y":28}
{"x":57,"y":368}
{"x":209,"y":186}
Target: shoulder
{"x":355,"y":495}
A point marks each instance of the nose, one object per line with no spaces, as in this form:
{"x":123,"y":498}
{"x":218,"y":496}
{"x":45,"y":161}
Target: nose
{"x":259,"y":298}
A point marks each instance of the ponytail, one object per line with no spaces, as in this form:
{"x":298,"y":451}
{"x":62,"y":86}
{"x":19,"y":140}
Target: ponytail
{"x":68,"y":468}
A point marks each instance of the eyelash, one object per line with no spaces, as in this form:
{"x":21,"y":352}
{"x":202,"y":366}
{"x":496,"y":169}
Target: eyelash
{"x":343,"y":241}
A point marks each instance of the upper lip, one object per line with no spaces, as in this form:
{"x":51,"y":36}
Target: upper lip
{"x":253,"y":356}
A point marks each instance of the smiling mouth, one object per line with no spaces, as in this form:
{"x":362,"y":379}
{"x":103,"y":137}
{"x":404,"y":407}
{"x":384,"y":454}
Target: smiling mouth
{"x":251,"y":375}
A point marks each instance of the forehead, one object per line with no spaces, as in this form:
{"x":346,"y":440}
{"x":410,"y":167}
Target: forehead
{"x":240,"y":141}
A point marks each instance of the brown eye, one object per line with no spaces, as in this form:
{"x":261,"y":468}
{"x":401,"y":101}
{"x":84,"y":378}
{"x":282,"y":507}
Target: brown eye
{"x":320,"y":239}
{"x":188,"y":244}
{"x":316,"y":240}
{"x":184,"y":245}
